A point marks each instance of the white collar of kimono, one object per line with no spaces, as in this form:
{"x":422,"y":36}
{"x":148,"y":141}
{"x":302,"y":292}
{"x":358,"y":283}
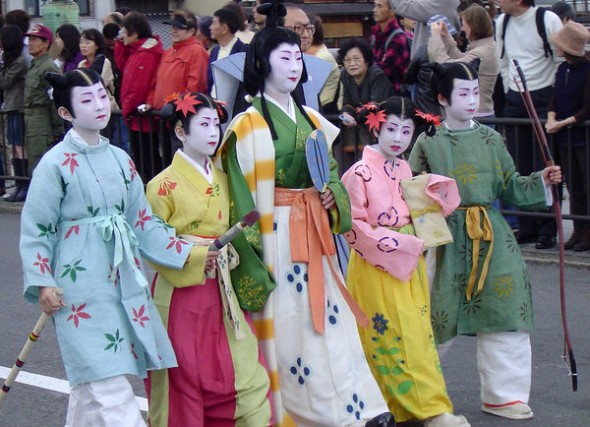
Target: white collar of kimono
{"x":290,"y":107}
{"x":207,"y":174}
{"x":81,"y":142}
{"x":471,"y":125}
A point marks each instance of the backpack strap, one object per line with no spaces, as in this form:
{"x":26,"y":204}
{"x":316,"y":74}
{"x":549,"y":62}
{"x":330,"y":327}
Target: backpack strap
{"x":541,"y":30}
{"x":540,"y":19}
{"x":394,"y":34}
{"x":503,"y":34}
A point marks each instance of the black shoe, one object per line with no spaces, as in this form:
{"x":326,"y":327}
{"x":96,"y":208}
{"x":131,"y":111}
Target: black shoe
{"x":384,"y":420}
{"x":573,"y":240}
{"x":19,"y":195}
{"x":545,"y":242}
{"x":524,"y":238}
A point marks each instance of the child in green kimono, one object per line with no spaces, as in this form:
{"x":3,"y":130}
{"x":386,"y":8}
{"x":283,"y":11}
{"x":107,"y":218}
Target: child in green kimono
{"x":481,"y":286}
{"x":85,"y":227}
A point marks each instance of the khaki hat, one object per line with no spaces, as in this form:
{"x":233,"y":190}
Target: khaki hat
{"x":572,"y":39}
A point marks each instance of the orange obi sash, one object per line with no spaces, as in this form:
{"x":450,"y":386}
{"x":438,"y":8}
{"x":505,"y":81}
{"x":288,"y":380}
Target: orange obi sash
{"x":311,"y":238}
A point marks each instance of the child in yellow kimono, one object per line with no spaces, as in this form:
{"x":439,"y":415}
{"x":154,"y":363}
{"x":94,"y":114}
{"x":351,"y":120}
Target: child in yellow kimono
{"x":220,"y":379}
{"x":386,"y":270}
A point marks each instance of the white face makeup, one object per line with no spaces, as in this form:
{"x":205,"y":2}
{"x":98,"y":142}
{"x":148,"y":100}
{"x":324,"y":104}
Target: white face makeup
{"x":395,"y":136}
{"x":91,"y":106}
{"x":286,"y":67}
{"x":464,"y":101}
{"x":203,"y":136}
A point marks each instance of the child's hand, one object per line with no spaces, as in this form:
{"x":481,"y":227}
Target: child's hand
{"x":552,"y":175}
{"x":48,"y":302}
{"x":328,"y":200}
{"x":347,"y":120}
{"x":211,"y":261}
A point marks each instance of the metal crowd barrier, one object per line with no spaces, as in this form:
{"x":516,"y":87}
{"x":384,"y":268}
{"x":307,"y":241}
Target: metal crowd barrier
{"x":153,"y":150}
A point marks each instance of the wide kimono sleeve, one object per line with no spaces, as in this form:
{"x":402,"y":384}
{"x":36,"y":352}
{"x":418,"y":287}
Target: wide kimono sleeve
{"x":389,"y":250}
{"x":526,"y":192}
{"x":158,"y":242}
{"x":249,"y":243}
{"x":39,"y":219}
{"x":163,"y":204}
{"x":340,"y":218}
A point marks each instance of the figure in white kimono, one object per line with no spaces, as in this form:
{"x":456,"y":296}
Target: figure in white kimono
{"x":307,"y":328}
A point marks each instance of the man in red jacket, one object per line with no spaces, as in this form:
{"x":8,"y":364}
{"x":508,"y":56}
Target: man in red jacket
{"x":138,"y":56}
{"x":183,"y":67}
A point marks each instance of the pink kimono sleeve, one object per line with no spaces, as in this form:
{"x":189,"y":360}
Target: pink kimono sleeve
{"x":447,"y":195}
{"x":388,"y":250}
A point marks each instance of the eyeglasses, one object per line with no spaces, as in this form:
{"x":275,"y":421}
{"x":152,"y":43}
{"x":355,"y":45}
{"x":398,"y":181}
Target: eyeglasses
{"x":299,"y":29}
{"x":355,"y":59}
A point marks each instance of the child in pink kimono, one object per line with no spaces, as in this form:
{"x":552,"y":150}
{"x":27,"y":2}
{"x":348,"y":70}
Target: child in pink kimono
{"x":386,"y":271}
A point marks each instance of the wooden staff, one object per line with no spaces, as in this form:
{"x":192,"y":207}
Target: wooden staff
{"x":546,"y":153}
{"x":24,"y":353}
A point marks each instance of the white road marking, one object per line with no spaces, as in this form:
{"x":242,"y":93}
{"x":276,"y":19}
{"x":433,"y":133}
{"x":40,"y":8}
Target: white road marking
{"x":53,"y":384}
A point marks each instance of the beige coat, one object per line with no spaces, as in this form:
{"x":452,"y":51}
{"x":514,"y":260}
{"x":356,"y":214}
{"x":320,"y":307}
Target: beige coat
{"x":444,"y":49}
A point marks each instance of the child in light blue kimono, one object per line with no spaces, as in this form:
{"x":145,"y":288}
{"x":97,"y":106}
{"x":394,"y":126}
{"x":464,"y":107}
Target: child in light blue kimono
{"x":85,"y":227}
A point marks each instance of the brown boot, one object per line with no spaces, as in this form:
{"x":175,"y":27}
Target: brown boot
{"x":584,"y":243}
{"x":573,"y":240}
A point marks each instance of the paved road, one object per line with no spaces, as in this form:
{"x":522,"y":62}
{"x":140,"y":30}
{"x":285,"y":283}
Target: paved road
{"x":552,"y":399}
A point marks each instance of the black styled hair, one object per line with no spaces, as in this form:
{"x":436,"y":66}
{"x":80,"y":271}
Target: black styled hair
{"x":201,"y":101}
{"x":403,"y":108}
{"x":444,"y":75}
{"x":137,"y":23}
{"x":64,"y":83}
{"x":110,"y":31}
{"x":275,"y":12}
{"x":229,"y":17}
{"x":11,"y":40}
{"x":96,"y":36}
{"x":71,"y":38}
{"x":359,"y":43}
{"x":20,"y":18}
{"x":257,"y":65}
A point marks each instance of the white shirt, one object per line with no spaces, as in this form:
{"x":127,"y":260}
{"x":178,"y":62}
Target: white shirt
{"x":523,"y":43}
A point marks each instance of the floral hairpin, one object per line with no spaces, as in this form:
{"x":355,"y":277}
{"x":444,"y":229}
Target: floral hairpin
{"x":187,"y":104}
{"x":220,"y":111}
{"x":172,"y":97}
{"x":428,"y":117}
{"x":375,"y":116}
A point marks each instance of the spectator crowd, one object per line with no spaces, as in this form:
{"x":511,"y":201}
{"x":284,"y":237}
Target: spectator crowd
{"x":422,"y":62}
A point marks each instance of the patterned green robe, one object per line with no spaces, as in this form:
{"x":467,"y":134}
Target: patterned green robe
{"x":478,"y":160}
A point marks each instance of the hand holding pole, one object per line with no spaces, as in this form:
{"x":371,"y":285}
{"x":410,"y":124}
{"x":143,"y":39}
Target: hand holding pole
{"x":24,"y":353}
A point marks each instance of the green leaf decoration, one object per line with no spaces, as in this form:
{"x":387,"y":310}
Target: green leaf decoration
{"x":114,"y":341}
{"x":93,"y":211}
{"x":45,"y":230}
{"x":383,"y":370}
{"x":393,"y":350}
{"x":404,"y":387}
{"x":381,"y":350}
{"x":72,"y":269}
{"x":396,"y":370}
{"x":121,"y":208}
